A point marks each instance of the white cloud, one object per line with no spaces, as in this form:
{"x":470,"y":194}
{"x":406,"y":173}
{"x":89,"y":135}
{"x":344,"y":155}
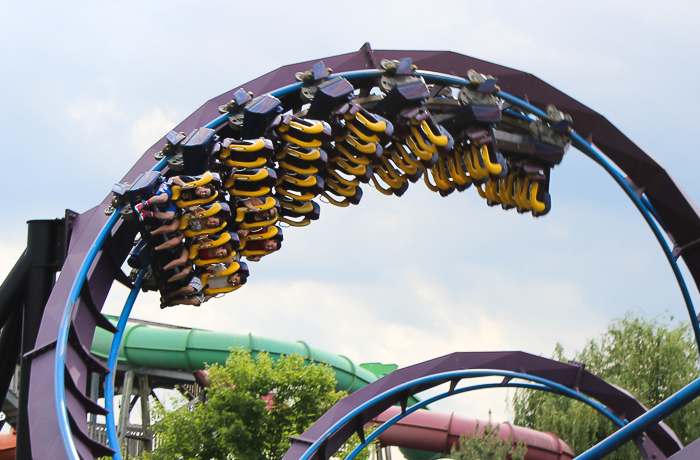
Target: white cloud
{"x":93,"y":114}
{"x":151,"y":127}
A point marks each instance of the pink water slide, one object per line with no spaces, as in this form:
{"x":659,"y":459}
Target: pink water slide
{"x":438,"y":432}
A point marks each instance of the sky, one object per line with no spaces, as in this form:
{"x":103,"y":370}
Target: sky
{"x":87,"y":87}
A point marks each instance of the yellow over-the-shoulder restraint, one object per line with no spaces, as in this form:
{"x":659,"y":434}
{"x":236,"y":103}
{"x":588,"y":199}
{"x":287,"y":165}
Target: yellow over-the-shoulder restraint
{"x":311,"y":155}
{"x":205,"y":231}
{"x":340,"y":189}
{"x":358,"y":132}
{"x":438,"y":139}
{"x":428,"y":147}
{"x":403,"y":165}
{"x":271,"y":232}
{"x":308,"y":181}
{"x":306,"y":196}
{"x":233,"y":268}
{"x":197,"y":202}
{"x":213,"y":209}
{"x":362,"y":161}
{"x":537,"y":205}
{"x":303,"y":209}
{"x":424,"y":155}
{"x":220,"y":241}
{"x":348,"y":183}
{"x":269,"y":203}
{"x":292,"y":223}
{"x":341,"y":204}
{"x":350,"y":169}
{"x":246,"y":164}
{"x":298,"y":170}
{"x":204,"y":180}
{"x":493,"y":168}
{"x":251,"y":147}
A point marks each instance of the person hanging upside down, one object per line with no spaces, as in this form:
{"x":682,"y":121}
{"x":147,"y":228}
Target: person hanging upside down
{"x":164,"y":195}
{"x":163,"y":208}
{"x":194,"y":225}
{"x":176,"y":237}
{"x":223,"y":253}
{"x":269,"y":245}
{"x":193,"y":293}
{"x":259,"y":215}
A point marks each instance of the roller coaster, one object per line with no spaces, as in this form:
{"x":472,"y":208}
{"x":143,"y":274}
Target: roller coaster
{"x":263,"y":156}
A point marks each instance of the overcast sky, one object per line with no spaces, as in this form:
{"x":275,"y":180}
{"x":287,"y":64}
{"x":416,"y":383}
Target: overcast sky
{"x":87,"y":87}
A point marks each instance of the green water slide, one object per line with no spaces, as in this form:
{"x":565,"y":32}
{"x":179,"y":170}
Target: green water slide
{"x":193,"y":349}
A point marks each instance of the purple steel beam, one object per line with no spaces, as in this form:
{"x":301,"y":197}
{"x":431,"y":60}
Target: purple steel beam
{"x":679,"y":216}
{"x":690,"y":452}
{"x":660,"y":443}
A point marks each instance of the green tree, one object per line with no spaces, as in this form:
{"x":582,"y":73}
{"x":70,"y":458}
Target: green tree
{"x":650,"y":359}
{"x":487,"y":446}
{"x":253,"y":407}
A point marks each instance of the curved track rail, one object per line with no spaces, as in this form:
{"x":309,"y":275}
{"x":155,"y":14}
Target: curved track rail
{"x":99,"y":244}
{"x":351,"y":414}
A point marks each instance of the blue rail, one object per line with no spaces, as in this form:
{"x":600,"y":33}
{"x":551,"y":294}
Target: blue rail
{"x":441,"y":378}
{"x":112,"y":364}
{"x":62,"y":340}
{"x":551,"y":387}
{"x":64,"y":328}
{"x":638,"y":425}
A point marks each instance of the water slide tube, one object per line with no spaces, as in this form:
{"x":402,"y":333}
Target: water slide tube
{"x":438,"y":432}
{"x":193,"y":349}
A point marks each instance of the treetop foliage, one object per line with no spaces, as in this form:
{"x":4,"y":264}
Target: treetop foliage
{"x":651,"y":359}
{"x":253,"y":407}
{"x":487,"y":446}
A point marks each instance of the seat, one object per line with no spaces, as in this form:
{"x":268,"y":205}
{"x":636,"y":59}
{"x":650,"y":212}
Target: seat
{"x":230,"y":238}
{"x":304,"y":132}
{"x":249,"y":154}
{"x":235,"y":267}
{"x":216,"y":209}
{"x":197,"y":181}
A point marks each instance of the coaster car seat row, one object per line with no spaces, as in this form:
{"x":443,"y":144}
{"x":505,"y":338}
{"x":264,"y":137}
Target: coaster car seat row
{"x":226,"y":191}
